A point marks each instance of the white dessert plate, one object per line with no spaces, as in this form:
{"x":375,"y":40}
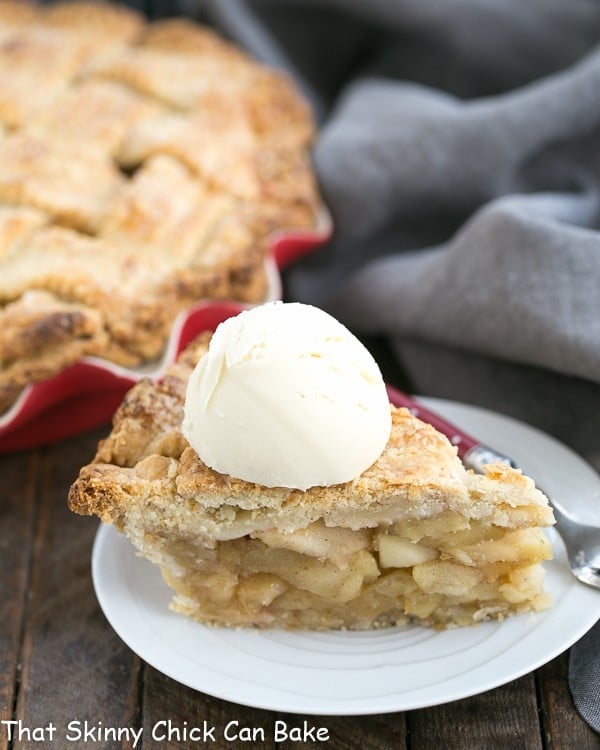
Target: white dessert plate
{"x":345,"y":673}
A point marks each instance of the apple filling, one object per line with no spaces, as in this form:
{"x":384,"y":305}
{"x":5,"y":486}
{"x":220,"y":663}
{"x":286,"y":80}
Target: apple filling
{"x":440,"y":570}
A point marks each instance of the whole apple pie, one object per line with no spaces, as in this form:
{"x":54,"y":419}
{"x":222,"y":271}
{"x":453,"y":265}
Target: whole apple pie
{"x":142,"y":167}
{"x":415,"y":537}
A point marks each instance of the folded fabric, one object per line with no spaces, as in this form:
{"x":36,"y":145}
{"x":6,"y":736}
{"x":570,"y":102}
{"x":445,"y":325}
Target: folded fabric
{"x":584,"y":677}
{"x":520,"y":281}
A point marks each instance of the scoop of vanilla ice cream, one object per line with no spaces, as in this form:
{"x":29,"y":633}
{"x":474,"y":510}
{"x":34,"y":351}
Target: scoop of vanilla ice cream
{"x":287,"y":397}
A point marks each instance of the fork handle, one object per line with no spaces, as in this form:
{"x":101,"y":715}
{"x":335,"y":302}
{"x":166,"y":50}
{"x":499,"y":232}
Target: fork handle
{"x":473,"y":453}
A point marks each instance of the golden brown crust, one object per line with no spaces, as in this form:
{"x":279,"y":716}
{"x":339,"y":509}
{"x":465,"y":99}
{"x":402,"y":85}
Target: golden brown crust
{"x":16,"y":225}
{"x":39,"y":335}
{"x":43,"y":50}
{"x":15,"y":14}
{"x":136,"y":293}
{"x":417,"y":474}
{"x":143,"y":168}
{"x":164,"y":206}
{"x":98,"y":114}
{"x":229,"y":155}
{"x":108,"y":25}
{"x":70,"y":182}
{"x":35,"y":64}
{"x":177,"y":80}
{"x":185,"y":37}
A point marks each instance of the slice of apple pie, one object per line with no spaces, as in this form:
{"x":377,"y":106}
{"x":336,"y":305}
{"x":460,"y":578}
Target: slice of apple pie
{"x":414,"y":538}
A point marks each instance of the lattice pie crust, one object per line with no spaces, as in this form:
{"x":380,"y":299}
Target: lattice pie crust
{"x":142,"y":167}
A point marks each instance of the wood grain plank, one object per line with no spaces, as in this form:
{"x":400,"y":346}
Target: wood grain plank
{"x":74,"y":667}
{"x":165,"y":700}
{"x":17,"y":521}
{"x":506,"y":718}
{"x":564,"y":727}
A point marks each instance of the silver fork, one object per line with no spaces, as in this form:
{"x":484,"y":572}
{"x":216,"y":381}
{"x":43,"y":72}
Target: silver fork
{"x":581,"y":540}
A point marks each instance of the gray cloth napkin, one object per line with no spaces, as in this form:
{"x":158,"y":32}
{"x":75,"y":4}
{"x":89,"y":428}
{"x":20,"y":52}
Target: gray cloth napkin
{"x":459,"y":153}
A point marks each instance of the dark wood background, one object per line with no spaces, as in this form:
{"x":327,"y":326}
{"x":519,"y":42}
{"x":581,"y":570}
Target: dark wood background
{"x":60,"y":660}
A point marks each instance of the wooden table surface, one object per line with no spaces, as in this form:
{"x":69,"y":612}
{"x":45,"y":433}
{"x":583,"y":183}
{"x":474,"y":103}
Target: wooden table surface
{"x":61,"y":662}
